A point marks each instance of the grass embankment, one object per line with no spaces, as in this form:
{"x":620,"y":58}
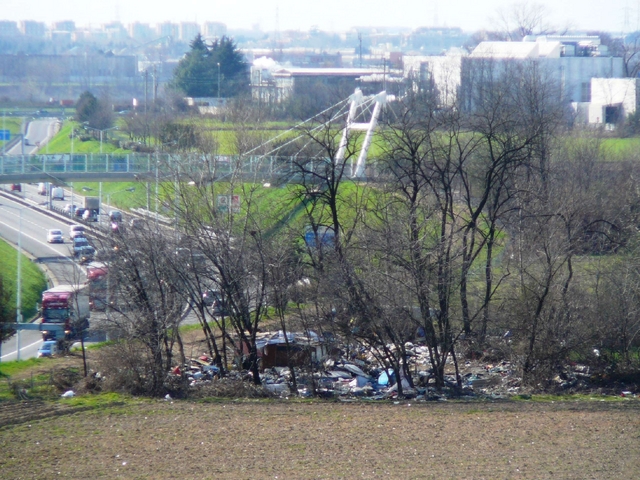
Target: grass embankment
{"x":33,"y":280}
{"x":61,"y":143}
{"x":13,"y":124}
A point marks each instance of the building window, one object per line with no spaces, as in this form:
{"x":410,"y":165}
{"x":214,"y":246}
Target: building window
{"x":585,"y":92}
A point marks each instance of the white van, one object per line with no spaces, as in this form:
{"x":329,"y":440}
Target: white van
{"x":57,"y":193}
{"x":43,"y":188}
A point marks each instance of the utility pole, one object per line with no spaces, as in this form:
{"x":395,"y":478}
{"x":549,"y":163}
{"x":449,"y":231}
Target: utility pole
{"x":360,"y":42}
{"x":218,"y":102}
{"x":146,"y":81}
{"x":384,"y":74}
{"x":155,"y":84}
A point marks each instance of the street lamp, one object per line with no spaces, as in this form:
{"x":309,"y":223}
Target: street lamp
{"x":218,"y":103}
{"x":130,"y":189}
{"x":101,"y":132}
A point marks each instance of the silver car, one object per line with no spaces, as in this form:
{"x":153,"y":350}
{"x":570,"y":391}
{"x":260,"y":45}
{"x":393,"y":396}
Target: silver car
{"x":55,"y":236}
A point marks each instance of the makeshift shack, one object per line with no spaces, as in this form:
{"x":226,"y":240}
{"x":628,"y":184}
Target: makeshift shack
{"x":297,"y":349}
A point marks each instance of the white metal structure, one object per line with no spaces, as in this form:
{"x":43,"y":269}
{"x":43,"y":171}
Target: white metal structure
{"x":356,"y":101}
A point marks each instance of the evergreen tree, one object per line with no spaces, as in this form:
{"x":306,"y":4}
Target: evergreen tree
{"x":94,"y":112}
{"x":86,"y":106}
{"x":234,"y":72}
{"x":197,"y":74}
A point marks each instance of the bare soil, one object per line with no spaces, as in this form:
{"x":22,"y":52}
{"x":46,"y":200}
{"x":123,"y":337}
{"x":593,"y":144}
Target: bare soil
{"x":290,"y":439}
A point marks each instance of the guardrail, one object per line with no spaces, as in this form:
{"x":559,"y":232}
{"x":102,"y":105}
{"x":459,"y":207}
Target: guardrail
{"x":64,"y":167}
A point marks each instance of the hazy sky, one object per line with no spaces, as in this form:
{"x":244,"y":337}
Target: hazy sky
{"x":333,"y":15}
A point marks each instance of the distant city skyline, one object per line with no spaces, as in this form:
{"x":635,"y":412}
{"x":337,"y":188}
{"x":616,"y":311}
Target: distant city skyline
{"x":328,"y":15}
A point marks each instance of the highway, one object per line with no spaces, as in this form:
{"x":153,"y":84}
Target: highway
{"x":53,"y":258}
{"x":39,"y":132}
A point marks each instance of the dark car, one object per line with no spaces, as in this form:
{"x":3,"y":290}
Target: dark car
{"x":79,"y":212}
{"x":16,"y":187}
{"x":115,"y":216}
{"x":213,"y":299}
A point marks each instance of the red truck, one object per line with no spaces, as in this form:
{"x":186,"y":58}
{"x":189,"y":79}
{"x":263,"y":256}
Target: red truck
{"x":98,"y":285}
{"x":68,"y":305}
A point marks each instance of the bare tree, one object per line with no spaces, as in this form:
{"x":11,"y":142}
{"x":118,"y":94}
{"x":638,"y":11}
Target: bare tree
{"x":524,"y":18}
{"x":148,"y":302}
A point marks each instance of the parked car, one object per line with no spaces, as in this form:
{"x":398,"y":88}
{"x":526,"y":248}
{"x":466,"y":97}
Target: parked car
{"x":76,"y":231}
{"x":115,"y":215}
{"x":48,"y":349}
{"x":55,"y":236}
{"x":16,"y":187}
{"x":90,"y":215}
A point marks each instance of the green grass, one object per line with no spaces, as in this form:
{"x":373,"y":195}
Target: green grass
{"x":549,"y":398}
{"x":61,"y":143}
{"x":13,"y":124}
{"x":120,"y":197}
{"x":100,"y":400}
{"x":9,"y":369}
{"x":33,"y":280}
{"x":621,"y":145}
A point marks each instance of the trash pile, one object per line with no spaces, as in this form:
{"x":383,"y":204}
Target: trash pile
{"x":348,"y":373}
{"x":198,"y":370}
{"x":359,"y":374}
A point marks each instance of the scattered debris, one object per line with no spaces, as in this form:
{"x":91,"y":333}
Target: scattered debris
{"x":326,"y":369}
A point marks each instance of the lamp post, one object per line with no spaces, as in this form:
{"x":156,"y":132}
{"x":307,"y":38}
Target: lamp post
{"x":130,"y":189}
{"x":218,"y":103}
{"x":101,"y":132}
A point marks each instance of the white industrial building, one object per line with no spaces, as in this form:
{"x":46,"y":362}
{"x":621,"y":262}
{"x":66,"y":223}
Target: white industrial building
{"x":569,"y":61}
{"x":612,"y":100}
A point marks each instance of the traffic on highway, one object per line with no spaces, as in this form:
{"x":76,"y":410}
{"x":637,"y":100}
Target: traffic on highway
{"x":61,"y":245}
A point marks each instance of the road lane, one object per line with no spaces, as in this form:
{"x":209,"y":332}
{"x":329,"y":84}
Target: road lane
{"x":34,"y":232}
{"x":39,"y":132}
{"x":54,"y":257}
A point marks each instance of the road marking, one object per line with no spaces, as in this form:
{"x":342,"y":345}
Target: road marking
{"x":36,"y":240}
{"x":37,"y":225}
{"x":58,"y":254}
{"x":15,"y":352}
